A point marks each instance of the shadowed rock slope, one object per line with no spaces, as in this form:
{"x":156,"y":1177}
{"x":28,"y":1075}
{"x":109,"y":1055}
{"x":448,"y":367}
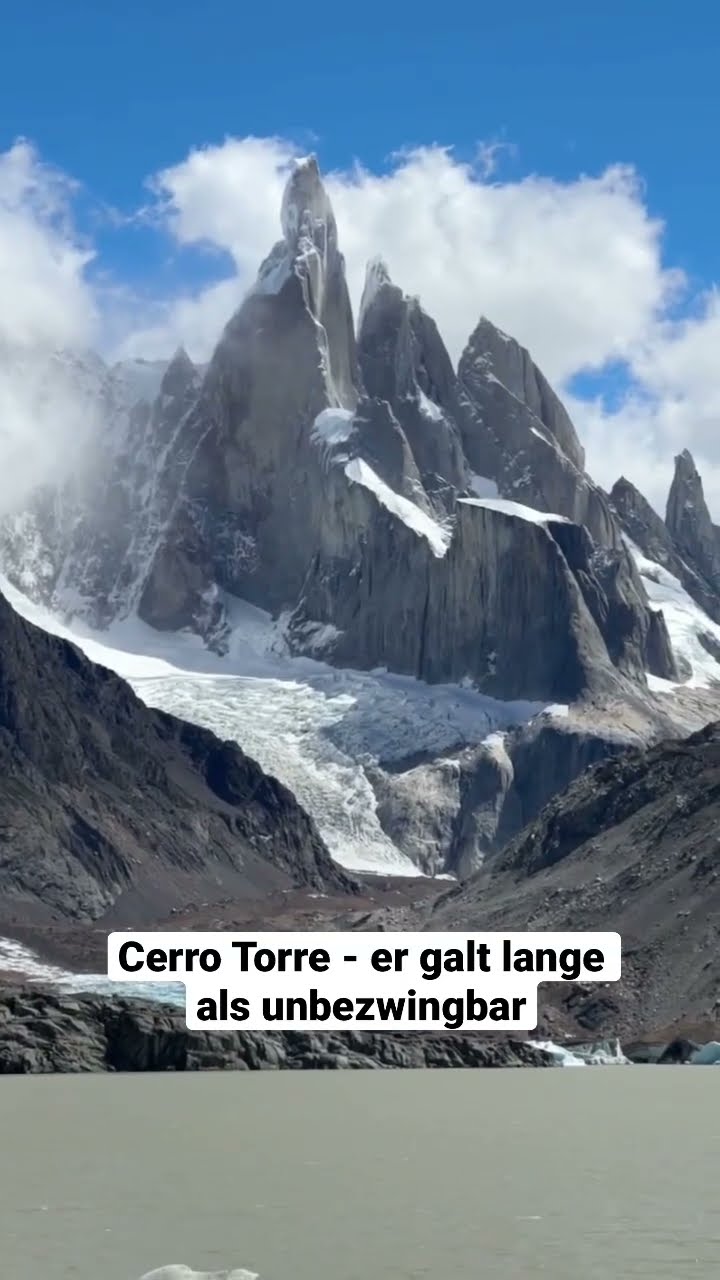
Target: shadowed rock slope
{"x":109,"y":809}
{"x":44,"y":1032}
{"x":632,"y":846}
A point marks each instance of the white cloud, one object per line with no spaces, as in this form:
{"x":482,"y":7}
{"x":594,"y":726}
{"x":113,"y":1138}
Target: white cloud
{"x":674,"y":405}
{"x":571,"y":270}
{"x":47,"y":304}
{"x":46,"y":299}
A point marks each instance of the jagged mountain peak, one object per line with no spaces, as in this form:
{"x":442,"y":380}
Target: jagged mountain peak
{"x":181,"y":357}
{"x":305,"y":204}
{"x":481,"y":344}
{"x":686,"y":490}
{"x":179,"y":375}
{"x":404,"y":362}
{"x":686,"y":473}
{"x":491,"y":354}
{"x":625,"y":495}
{"x":686,"y":547}
{"x":685,"y":460}
{"x":688,"y":520}
{"x":377,"y":280}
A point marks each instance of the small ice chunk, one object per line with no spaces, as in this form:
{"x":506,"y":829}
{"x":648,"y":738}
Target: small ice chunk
{"x":333,"y":426}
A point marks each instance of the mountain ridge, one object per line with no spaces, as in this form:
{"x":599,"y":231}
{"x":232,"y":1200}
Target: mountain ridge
{"x":395,"y":512}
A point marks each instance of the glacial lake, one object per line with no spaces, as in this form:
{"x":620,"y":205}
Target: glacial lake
{"x":575,"y":1174}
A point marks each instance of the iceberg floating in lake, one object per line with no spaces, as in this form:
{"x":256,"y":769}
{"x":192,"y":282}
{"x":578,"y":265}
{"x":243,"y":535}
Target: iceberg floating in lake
{"x":603,"y":1053}
{"x":178,"y":1272}
{"x":708,"y":1055}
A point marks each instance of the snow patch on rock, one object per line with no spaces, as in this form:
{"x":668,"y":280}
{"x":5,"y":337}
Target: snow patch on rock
{"x":439,"y":537}
{"x":333,"y":426}
{"x":509,"y":508}
{"x":482,"y":486}
{"x":686,"y":623}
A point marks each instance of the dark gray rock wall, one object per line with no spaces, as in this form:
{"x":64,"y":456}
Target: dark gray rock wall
{"x":111,"y":809}
{"x":519,"y":435}
{"x":44,"y":1031}
{"x":652,"y":536}
{"x":404,"y":362}
{"x":467,"y":613}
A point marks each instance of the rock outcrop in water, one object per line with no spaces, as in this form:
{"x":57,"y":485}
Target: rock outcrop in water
{"x":109,"y":809}
{"x":47,"y":1031}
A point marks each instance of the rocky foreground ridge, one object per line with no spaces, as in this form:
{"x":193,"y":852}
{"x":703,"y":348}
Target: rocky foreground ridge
{"x":632,"y":846}
{"x":43,"y":1031}
{"x":109,"y":809}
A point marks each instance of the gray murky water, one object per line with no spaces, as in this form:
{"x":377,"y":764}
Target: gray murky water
{"x":569,"y":1174}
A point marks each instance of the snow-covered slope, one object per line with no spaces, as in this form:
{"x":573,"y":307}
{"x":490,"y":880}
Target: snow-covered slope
{"x":687,"y":624}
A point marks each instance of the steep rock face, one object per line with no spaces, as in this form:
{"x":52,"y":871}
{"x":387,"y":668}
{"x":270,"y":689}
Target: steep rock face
{"x":110,"y":809}
{"x":462,"y":610}
{"x":381,"y":441}
{"x":403,"y":361}
{"x":513,"y":366}
{"x":636,"y":636}
{"x":119,"y":525}
{"x":456,"y":813}
{"x":252,"y":495}
{"x":651,"y":535}
{"x":688,"y":521}
{"x":444,"y":814}
{"x":516,"y":432}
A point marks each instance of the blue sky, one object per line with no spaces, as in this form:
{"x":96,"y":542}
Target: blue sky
{"x":113,"y":94}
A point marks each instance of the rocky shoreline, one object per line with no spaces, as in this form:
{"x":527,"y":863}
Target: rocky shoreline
{"x":44,"y":1032}
{"x":51,"y":1031}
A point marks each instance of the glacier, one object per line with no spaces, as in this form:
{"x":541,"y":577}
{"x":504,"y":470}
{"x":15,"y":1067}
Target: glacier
{"x":312,"y":726}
